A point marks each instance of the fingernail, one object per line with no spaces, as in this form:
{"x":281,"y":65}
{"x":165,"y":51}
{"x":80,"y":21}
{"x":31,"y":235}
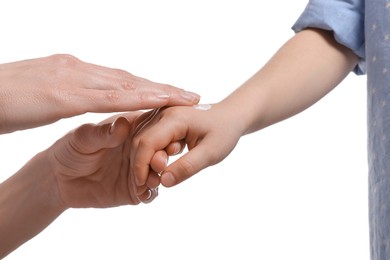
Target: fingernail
{"x":166,"y":161}
{"x":168,"y":180}
{"x":190,"y":96}
{"x":177,"y":148}
{"x":163,"y":96}
{"x":112,"y":128}
{"x":153,"y":193}
{"x":149,"y":194}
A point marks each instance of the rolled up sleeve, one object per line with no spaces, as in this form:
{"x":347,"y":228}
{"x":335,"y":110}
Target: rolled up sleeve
{"x":344,"y":17}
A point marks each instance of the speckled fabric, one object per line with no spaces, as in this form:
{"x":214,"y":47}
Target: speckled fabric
{"x":364,"y":27}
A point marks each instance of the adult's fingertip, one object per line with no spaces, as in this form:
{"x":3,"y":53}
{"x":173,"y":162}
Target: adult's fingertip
{"x":112,"y":128}
{"x":190,"y":96}
{"x":167,"y":179}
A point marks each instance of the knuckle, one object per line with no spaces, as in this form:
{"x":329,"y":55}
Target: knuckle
{"x":64,"y":59}
{"x":126,"y":81}
{"x":143,"y":97}
{"x":186,"y":168}
{"x":128,"y":84}
{"x":112,"y":96}
{"x":122,"y":73}
{"x":80,"y":133}
{"x":61,"y":65}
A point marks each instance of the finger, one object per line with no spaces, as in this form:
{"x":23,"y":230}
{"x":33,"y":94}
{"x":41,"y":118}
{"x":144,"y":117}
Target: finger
{"x":188,"y":165}
{"x":149,"y":195}
{"x":160,"y":95}
{"x":175,"y":148}
{"x":90,"y":138}
{"x":140,"y":190}
{"x":153,"y":180}
{"x":145,"y":146}
{"x":163,"y":94}
{"x":159,"y":161}
{"x":131,"y":94}
{"x":143,"y":120}
{"x":134,"y":88}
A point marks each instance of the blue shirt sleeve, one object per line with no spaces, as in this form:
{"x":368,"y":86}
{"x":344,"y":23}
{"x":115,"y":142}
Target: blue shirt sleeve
{"x":344,"y":17}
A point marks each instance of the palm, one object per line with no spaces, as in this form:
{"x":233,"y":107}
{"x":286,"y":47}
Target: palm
{"x":92,"y":166}
{"x":102,"y":179}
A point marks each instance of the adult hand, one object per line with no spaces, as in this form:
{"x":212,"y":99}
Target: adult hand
{"x":41,"y":91}
{"x":92,"y":166}
{"x":88,"y":167}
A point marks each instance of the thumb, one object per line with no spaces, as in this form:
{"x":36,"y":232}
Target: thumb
{"x":90,"y":138}
{"x":189,"y":164}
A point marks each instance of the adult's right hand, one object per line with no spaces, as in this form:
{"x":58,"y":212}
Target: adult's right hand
{"x":41,"y":91}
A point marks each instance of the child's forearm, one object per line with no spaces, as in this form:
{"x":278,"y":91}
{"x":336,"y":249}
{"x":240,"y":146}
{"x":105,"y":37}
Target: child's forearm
{"x":300,"y":73}
{"x":28,"y":203}
{"x":304,"y":70}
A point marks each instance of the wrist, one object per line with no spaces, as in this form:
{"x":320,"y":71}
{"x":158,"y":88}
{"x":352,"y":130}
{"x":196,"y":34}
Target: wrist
{"x":245,"y":108}
{"x":29,"y":203}
{"x":47,"y":182}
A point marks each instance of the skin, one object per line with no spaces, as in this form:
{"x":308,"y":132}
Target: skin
{"x":88,"y":167}
{"x":304,"y":70}
{"x":41,"y":91}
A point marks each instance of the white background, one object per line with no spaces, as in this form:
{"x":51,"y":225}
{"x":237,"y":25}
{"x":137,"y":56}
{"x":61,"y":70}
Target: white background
{"x":296,"y":190}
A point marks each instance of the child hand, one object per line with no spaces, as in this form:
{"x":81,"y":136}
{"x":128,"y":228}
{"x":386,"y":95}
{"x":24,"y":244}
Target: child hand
{"x":208,"y":132}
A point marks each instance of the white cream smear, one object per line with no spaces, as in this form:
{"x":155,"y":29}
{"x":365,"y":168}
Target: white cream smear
{"x":202,"y":106}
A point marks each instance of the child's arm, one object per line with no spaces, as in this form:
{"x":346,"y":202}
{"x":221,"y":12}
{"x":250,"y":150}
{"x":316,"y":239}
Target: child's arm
{"x":304,"y":70}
